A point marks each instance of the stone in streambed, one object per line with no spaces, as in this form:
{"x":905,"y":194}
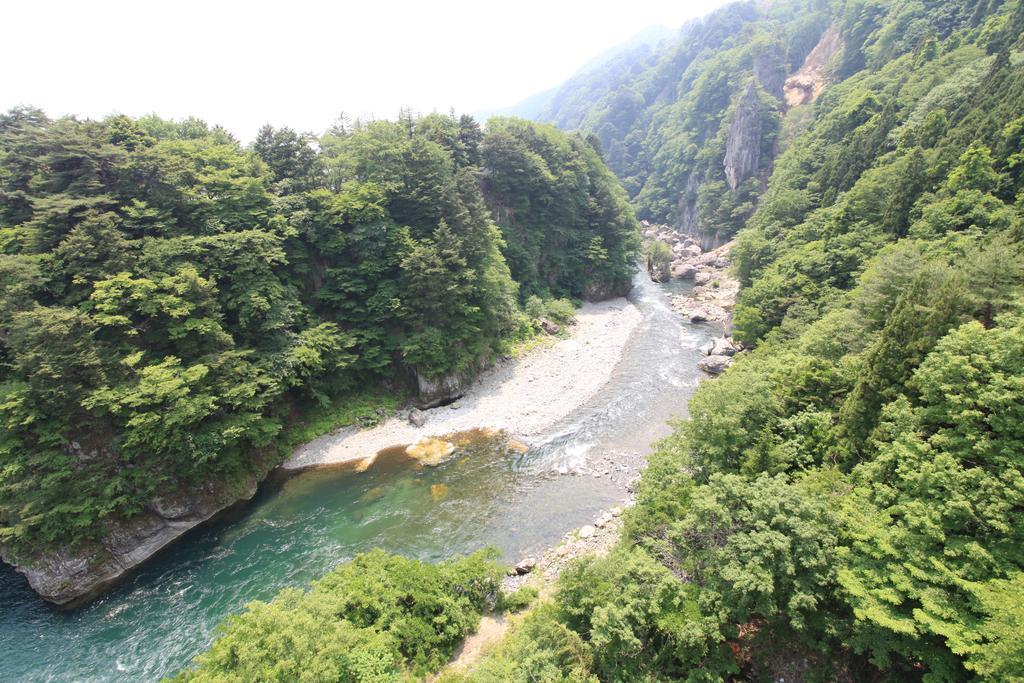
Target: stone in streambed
{"x":438,"y":492}
{"x":376,"y":493}
{"x":517,"y":446}
{"x":417,"y":418}
{"x":587,"y":531}
{"x":715,"y":365}
{"x":721,"y":346}
{"x":683,"y":270}
{"x":364,"y":464}
{"x":430,"y":450}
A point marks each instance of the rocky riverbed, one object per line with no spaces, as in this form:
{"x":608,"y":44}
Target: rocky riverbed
{"x":714,"y":291}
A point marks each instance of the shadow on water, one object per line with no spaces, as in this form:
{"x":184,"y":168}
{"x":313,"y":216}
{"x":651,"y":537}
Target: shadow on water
{"x":298,"y":527}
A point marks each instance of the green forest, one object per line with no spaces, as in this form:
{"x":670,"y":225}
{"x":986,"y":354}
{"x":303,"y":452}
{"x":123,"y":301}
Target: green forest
{"x":847,"y":501}
{"x":176,"y":308}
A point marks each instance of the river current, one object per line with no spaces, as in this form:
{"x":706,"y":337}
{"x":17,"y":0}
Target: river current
{"x":295,"y":530}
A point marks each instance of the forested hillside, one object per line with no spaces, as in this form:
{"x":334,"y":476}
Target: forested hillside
{"x":693,"y":129}
{"x":171,"y":301}
{"x":846,"y":502}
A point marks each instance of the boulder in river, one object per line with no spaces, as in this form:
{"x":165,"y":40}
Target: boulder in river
{"x":517,"y":446}
{"x":586,"y":531}
{"x":714,"y":365}
{"x":430,"y":450}
{"x":696,"y":314}
{"x":720,"y":347}
{"x":702,"y":278}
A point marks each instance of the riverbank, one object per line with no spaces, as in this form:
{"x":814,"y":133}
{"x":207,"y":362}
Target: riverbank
{"x":523,"y":396}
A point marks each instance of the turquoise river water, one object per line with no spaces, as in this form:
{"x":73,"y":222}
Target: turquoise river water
{"x":296,"y":529}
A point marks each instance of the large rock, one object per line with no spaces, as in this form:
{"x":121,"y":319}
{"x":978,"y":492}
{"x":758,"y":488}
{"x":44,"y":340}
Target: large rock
{"x":417,"y":418}
{"x":696,"y":314}
{"x":549,"y":326}
{"x":525,"y":566}
{"x":703,"y":277}
{"x":71,"y":576}
{"x":743,"y":144}
{"x":683,"y":270}
{"x":689,"y":222}
{"x":438,"y":390}
{"x":720,"y":347}
{"x":714,"y":365}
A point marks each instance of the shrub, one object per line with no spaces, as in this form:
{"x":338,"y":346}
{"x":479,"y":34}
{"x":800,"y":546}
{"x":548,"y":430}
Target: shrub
{"x":560,"y":310}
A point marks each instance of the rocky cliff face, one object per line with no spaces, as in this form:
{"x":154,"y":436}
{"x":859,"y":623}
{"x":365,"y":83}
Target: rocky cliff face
{"x":69,"y":577}
{"x":688,"y":214}
{"x":743,"y":146}
{"x":439,"y":390}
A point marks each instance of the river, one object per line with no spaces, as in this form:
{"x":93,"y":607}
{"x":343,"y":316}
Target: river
{"x":296,"y":529}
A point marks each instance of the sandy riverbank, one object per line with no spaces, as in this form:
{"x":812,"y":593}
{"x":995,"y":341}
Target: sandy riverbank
{"x":523,"y":397}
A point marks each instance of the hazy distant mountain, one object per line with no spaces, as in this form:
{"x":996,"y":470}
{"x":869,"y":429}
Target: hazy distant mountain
{"x":535,"y":106}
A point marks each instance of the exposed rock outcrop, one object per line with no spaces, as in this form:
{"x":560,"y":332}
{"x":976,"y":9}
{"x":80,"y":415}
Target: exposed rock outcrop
{"x":71,"y":576}
{"x":806,"y":84}
{"x":688,"y":213}
{"x":722,"y":346}
{"x":743,"y":145}
{"x":433,"y":391}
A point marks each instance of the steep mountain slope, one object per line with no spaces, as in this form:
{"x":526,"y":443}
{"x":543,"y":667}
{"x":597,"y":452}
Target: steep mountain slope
{"x":693,"y":129}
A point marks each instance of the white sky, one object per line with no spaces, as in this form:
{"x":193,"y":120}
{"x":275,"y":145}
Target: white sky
{"x":299,"y":63}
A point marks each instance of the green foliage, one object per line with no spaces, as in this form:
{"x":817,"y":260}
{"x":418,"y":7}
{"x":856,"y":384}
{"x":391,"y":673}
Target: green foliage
{"x":559,"y":310}
{"x":364,"y":409}
{"x":519,"y":600}
{"x":659,"y":259}
{"x":567,"y":226}
{"x":370,"y":620}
